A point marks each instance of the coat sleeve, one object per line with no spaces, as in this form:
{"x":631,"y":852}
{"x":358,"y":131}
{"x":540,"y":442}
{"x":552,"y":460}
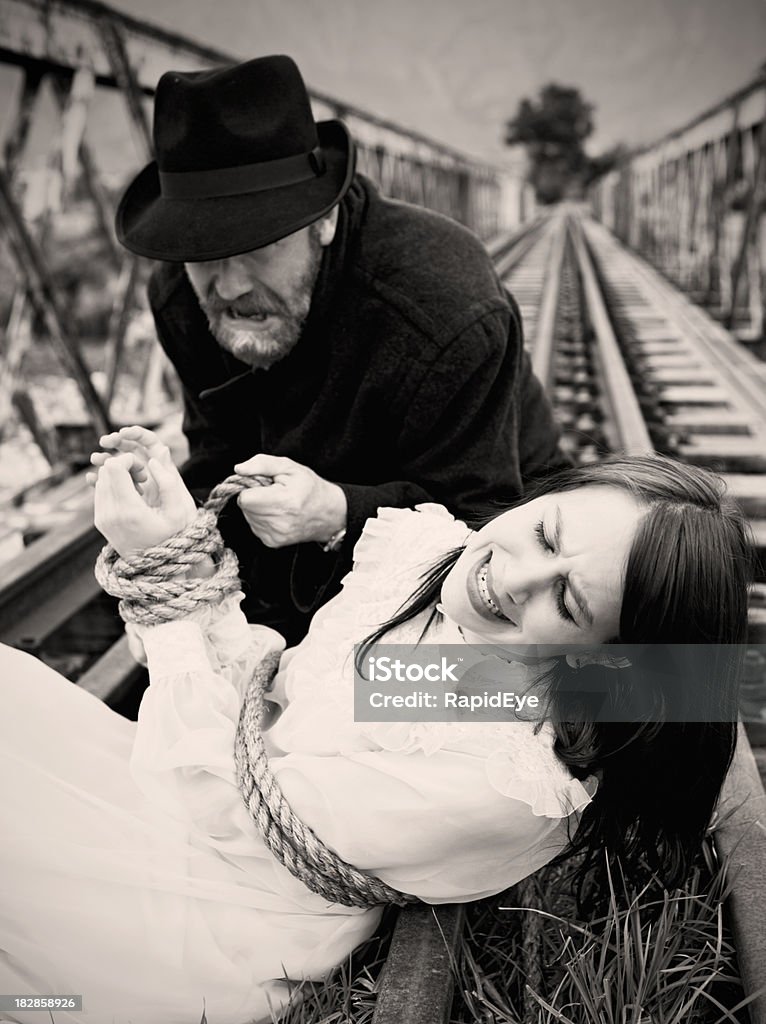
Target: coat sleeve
{"x":211,"y":456}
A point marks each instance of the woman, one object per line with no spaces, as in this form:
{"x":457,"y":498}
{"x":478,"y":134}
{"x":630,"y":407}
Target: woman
{"x":130,"y":870}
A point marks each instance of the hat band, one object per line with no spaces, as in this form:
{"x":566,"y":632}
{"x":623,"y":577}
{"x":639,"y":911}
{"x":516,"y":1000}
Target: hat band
{"x":236,"y":181}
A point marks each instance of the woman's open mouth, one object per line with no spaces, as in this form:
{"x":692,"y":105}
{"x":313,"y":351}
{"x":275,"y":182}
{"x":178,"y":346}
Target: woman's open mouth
{"x":488,"y":602}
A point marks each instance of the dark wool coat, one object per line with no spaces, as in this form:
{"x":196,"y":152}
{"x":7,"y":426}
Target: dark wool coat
{"x":409,"y":384}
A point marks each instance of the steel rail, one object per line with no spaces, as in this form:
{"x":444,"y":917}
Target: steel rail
{"x":708,"y":390}
{"x":741,"y":837}
{"x":509,"y":244}
{"x":531,"y":274}
{"x":625,"y":412}
{"x":745,"y":374}
{"x":49,"y":581}
{"x":507,"y":259}
{"x":542,"y":354}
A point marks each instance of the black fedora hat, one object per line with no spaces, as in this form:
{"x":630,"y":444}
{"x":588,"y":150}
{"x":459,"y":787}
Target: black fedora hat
{"x":240,"y":163}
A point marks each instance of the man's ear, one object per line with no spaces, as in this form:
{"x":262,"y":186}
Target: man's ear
{"x":326,"y":227}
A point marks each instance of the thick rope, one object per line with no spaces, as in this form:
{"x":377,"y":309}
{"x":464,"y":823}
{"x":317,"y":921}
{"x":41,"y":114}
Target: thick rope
{"x":152,"y":589}
{"x":152,"y":585}
{"x":294,"y":844}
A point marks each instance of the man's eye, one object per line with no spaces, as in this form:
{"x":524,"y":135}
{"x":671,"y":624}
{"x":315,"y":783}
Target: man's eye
{"x":540,"y":531}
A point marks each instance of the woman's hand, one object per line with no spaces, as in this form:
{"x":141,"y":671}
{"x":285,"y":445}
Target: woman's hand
{"x":143,"y":445}
{"x":126,"y":517}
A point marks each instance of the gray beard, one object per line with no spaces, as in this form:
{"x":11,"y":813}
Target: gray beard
{"x":267,"y":344}
{"x":259,"y":349}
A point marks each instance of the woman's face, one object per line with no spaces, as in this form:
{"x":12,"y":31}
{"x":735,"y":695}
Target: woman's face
{"x":548,"y":572}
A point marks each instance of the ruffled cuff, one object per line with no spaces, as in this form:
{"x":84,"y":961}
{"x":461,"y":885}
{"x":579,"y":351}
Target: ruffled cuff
{"x":219,"y":634}
{"x":550,"y":794}
{"x":173,"y":648}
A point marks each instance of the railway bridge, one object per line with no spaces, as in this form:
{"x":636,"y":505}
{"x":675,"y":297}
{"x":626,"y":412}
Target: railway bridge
{"x":644,"y":316}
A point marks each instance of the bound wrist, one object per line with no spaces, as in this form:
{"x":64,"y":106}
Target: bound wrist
{"x":203,"y":569}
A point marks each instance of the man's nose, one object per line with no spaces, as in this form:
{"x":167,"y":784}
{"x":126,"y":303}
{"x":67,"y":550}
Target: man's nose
{"x":231,"y":279}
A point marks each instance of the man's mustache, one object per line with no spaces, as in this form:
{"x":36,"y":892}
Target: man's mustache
{"x":253,"y":303}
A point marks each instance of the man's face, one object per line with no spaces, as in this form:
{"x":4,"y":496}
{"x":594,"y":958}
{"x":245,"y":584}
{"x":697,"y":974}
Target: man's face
{"x":256,"y":303}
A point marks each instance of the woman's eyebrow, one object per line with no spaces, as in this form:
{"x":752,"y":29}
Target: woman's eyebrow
{"x":577,"y":594}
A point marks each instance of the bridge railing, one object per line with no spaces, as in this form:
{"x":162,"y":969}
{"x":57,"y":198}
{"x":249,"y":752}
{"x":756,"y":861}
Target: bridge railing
{"x":78,"y":51}
{"x":60,"y":37}
{"x":693,"y":202}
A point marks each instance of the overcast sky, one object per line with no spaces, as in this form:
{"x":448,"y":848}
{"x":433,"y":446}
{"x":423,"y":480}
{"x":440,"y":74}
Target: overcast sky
{"x":456,"y":69}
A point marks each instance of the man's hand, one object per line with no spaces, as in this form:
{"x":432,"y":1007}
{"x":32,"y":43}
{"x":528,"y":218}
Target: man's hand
{"x":298,"y":505}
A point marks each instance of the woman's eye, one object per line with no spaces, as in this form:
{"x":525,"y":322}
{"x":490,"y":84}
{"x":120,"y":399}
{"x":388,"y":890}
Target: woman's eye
{"x":540,"y":531}
{"x":561,"y":590}
{"x":563,"y":610}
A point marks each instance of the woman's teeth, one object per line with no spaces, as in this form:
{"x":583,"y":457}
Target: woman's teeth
{"x":481,"y":577}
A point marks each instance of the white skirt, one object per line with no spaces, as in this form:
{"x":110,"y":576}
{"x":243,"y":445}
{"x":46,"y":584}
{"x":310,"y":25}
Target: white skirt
{"x":104,"y":895}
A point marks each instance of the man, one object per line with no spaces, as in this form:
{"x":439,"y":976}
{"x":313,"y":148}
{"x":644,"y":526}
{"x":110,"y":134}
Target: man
{"x":347,"y":351}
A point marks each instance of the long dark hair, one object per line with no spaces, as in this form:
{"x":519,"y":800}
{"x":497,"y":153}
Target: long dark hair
{"x":685,"y":583}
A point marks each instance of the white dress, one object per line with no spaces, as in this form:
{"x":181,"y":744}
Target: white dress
{"x":130,"y":871}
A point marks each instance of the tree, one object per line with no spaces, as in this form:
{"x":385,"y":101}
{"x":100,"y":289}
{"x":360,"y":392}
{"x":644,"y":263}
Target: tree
{"x":605,"y":162}
{"x":554,"y":129}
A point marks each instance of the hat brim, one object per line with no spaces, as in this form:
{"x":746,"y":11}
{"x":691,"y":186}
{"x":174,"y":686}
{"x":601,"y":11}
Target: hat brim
{"x":192,"y":230}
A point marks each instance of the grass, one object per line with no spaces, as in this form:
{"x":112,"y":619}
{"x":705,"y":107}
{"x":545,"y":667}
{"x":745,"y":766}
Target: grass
{"x":652,"y":957}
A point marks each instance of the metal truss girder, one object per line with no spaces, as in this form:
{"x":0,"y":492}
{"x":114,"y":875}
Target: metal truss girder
{"x":125,"y":53}
{"x":22,"y":121}
{"x":45,"y":301}
{"x":692,"y":203}
{"x":67,"y":33}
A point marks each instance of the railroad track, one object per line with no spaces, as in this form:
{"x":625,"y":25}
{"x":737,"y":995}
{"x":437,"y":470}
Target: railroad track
{"x":702,"y":396}
{"x":630,"y":366}
{"x":528,"y":271}
{"x":662,"y":376}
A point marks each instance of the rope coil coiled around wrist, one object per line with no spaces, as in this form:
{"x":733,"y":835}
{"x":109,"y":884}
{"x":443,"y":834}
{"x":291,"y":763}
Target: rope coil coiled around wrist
{"x":153,"y":588}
